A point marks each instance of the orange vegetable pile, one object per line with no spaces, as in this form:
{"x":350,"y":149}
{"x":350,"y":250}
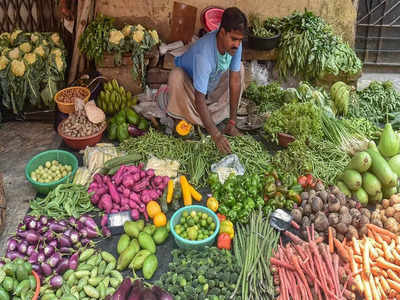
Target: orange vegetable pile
{"x":154,"y":211}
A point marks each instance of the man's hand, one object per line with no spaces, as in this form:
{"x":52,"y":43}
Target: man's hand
{"x":222,"y":143}
{"x":232,"y":130}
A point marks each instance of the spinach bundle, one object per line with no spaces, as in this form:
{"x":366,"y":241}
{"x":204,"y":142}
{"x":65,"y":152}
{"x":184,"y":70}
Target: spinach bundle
{"x":309,"y":48}
{"x":267,"y":97}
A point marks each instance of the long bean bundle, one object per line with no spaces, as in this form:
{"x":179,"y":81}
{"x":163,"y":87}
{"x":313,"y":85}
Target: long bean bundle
{"x":196,"y":157}
{"x":253,"y":246}
{"x":64,"y":201}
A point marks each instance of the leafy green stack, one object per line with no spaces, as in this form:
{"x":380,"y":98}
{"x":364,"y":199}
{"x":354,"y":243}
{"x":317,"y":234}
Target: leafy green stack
{"x":341,"y":96}
{"x":137,"y":247}
{"x":268,"y":97}
{"x":373,"y":174}
{"x":309,"y":48}
{"x":32,"y":67}
{"x":114,"y":98}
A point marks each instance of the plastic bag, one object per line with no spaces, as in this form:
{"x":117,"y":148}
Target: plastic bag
{"x":95,"y":157}
{"x":163,"y":167}
{"x":226,"y":166}
{"x":259,"y":73}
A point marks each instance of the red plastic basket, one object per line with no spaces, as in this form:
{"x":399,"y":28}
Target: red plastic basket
{"x":211,"y":18}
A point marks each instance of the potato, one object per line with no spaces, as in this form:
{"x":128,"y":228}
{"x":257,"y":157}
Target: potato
{"x":341,"y":228}
{"x":333,"y":219}
{"x":323,"y":195}
{"x":365,"y":212}
{"x":363,"y":231}
{"x":316,"y":204}
{"x":334,"y":205}
{"x":396,"y":207}
{"x":342,"y":198}
{"x":307,"y":209}
{"x":297,"y":215}
{"x":351,"y":232}
{"x":306,"y":221}
{"x":392,"y":225}
{"x":354,"y":212}
{"x":364,"y":220}
{"x":321,"y":222}
{"x":344,"y":210}
{"x":356,"y":221}
{"x":377,"y":222}
{"x":378,"y":207}
{"x":345,"y":218}
{"x":385,"y":203}
{"x":304,"y":196}
{"x":396,"y":216}
{"x":389,"y":212}
{"x":340,"y":237}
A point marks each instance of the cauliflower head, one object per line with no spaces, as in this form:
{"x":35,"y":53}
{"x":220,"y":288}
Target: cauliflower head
{"x":30,"y":58}
{"x":14,"y":35}
{"x":140,"y":27}
{"x":5,"y":36}
{"x":25,"y":47}
{"x":3,"y":62}
{"x":35,"y":37}
{"x":59,"y":63}
{"x":127,"y":30}
{"x":45,"y":43}
{"x":115,"y":37}
{"x":18,"y":68}
{"x":55,"y":37}
{"x":56,"y":52}
{"x":14,"y":53}
{"x":138,"y":36}
{"x":154,"y":35}
{"x":40,"y":51}
{"x":5,"y":51}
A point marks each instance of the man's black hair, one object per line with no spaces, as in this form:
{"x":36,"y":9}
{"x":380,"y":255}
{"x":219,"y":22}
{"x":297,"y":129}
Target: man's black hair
{"x":233,"y":19}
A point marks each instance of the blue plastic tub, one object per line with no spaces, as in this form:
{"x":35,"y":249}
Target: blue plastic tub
{"x":188,"y":244}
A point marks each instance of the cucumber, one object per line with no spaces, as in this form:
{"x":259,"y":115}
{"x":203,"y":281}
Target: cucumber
{"x":381,"y":169}
{"x":352,"y":179}
{"x":123,"y":160}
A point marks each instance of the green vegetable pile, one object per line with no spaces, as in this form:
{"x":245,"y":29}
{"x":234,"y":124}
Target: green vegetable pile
{"x":64,"y":201}
{"x":32,"y":67}
{"x":209,"y":273}
{"x":268,"y":97}
{"x":115,"y":98}
{"x":258,"y":29}
{"x":375,"y":102}
{"x":101,"y":36}
{"x":16,"y":279}
{"x":195,"y":226}
{"x":309,"y":48}
{"x":253,"y":245}
{"x":203,"y":153}
{"x":95,"y":277}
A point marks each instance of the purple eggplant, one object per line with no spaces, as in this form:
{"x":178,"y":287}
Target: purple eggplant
{"x":123,"y":290}
{"x":36,"y":268}
{"x":74,"y":237}
{"x":83,"y":232}
{"x":68,"y":232}
{"x":79,"y":225}
{"x":42,"y":230}
{"x":134,"y":131}
{"x":22,"y":247}
{"x":91,"y":223}
{"x":54,"y":259}
{"x":91,"y":233}
{"x":12,"y":244}
{"x":48,"y":250}
{"x":46,"y":269}
{"x":73,"y":261}
{"x":62,"y":266}
{"x":57,"y":227}
{"x":53,"y":243}
{"x":77,"y":246}
{"x":72,"y":221}
{"x":66,"y":250}
{"x":65,"y":241}
{"x":62,"y":223}
{"x":44,"y":220}
{"x":30,"y":250}
{"x":161,"y":294}
{"x":105,"y":231}
{"x":32,"y":224}
{"x":41,"y":257}
{"x":49,"y":235}
{"x":33,"y":258}
{"x":137,"y":288}
{"x":56,"y":281}
{"x":86,"y":242}
{"x":147,"y":294}
{"x":27,"y":219}
{"x":14,"y":254}
{"x":104,"y":220}
{"x":30,"y":236}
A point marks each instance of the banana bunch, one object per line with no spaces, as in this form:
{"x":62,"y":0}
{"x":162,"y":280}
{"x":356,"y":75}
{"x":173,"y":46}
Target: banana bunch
{"x":114,"y":98}
{"x":340,"y":93}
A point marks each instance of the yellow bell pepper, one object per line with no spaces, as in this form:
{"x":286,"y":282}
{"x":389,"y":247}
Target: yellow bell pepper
{"x":212,"y":204}
{"x":227,"y":227}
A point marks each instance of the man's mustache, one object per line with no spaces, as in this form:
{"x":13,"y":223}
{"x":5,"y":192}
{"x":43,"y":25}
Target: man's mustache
{"x":234,"y":48}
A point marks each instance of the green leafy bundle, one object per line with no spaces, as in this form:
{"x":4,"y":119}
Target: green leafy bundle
{"x":258,"y":29}
{"x":268,"y":97}
{"x":309,"y":48}
{"x":375,"y":102}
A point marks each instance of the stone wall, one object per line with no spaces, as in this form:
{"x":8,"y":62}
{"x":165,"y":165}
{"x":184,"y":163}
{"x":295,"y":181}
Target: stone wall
{"x":158,"y":13}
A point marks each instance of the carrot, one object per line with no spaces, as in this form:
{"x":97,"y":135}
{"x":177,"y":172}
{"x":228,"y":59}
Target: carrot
{"x":380,"y":252}
{"x":366,"y":263}
{"x":370,"y":234}
{"x":396,"y":256}
{"x":388,"y":252}
{"x":280,"y":263}
{"x":375,"y":292}
{"x":392,"y":275}
{"x":394,"y":285}
{"x":376,"y":271}
{"x":385,"y":285}
{"x":381,"y":231}
{"x":373,"y":253}
{"x":301,"y":252}
{"x":358,"y":259}
{"x":381,"y":262}
{"x":380,"y":288}
{"x":318,"y":240}
{"x":330,"y":238}
{"x":293,"y":237}
{"x":367,"y":287}
{"x":341,"y":250}
{"x":356,"y":246}
{"x":344,"y":241}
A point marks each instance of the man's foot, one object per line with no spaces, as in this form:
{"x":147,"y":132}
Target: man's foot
{"x":232,"y":130}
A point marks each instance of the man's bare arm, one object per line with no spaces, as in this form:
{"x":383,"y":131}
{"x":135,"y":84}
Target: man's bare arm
{"x":234,"y":93}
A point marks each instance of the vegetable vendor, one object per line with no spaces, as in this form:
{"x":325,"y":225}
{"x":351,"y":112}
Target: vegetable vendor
{"x":207,"y":83}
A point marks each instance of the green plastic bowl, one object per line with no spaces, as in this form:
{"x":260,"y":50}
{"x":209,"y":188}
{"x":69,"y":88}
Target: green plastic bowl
{"x":188,"y":244}
{"x":63,"y":157}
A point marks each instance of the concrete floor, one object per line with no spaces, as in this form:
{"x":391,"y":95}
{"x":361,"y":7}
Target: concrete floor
{"x":19,"y":142}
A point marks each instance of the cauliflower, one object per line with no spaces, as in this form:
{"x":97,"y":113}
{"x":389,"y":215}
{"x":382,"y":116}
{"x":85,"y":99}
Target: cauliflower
{"x":59,"y":63}
{"x":127,"y":30}
{"x":138,"y":36}
{"x":30,"y":58}
{"x":25,"y":47}
{"x":18,"y":68}
{"x":40,"y":51}
{"x":14,"y":54}
{"x":115,"y":37}
{"x":3,"y":62}
{"x":14,"y":35}
{"x":5,"y":36}
{"x":35,"y":37}
{"x":154,"y":35}
{"x":5,"y":51}
{"x":139,"y":27}
{"x":45,"y":43}
{"x":56,"y":52}
{"x":55,"y":37}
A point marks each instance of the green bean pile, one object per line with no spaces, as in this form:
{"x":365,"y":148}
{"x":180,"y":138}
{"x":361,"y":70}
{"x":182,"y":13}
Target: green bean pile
{"x":64,"y":201}
{"x":253,"y":246}
{"x":196,"y":157}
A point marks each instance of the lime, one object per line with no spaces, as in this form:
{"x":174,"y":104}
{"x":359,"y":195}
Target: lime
{"x":185,"y":214}
{"x":209,"y":220}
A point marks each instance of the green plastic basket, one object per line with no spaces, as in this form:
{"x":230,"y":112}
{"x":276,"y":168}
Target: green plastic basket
{"x":188,"y":244}
{"x":63,"y":157}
